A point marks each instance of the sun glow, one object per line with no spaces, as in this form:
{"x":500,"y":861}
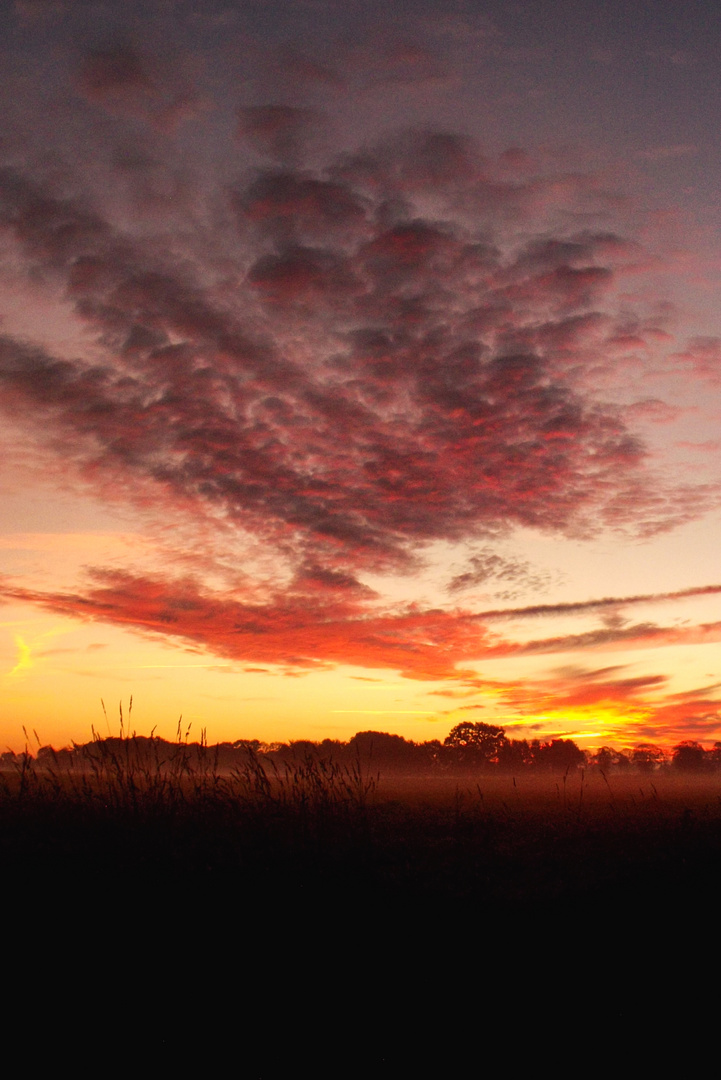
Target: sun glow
{"x":602,"y":723}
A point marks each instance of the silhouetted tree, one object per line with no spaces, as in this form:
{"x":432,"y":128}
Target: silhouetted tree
{"x":689,"y":756}
{"x":301,"y":750}
{"x":558,"y":754}
{"x":646,"y":757}
{"x":478,"y":743}
{"x":332,"y":748}
{"x":253,"y":745}
{"x":433,"y":756}
{"x":515,"y":754}
{"x":609,"y":759}
{"x":379,"y":749}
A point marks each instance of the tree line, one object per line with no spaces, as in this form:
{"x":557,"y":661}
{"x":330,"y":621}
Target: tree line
{"x":469,"y":747}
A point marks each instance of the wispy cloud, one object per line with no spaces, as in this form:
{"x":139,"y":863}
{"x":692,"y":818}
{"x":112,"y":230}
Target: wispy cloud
{"x":580,"y":607}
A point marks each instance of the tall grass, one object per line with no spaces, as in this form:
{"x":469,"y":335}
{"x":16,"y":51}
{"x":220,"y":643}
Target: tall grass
{"x":134,"y":775}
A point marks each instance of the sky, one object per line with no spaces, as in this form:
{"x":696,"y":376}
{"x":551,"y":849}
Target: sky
{"x":360,"y":368}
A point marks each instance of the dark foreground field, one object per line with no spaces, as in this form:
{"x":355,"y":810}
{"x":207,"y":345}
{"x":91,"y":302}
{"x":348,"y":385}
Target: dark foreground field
{"x":343,"y":839}
{"x":327,"y":885}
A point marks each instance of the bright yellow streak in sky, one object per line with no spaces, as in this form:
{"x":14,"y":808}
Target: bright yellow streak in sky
{"x":606,"y":723}
{"x":24,"y":658}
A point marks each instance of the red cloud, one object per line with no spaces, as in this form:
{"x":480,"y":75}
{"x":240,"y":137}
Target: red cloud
{"x":299,"y":630}
{"x":326,"y":616}
{"x":379,"y":379}
{"x":396,"y":361}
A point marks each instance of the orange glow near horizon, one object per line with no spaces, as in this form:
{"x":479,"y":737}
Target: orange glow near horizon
{"x":54,"y":677}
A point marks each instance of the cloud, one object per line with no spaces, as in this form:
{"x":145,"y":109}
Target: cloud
{"x":653,"y":410}
{"x":533,"y":611}
{"x":487,"y":566}
{"x":312,"y":578}
{"x":277,"y":131}
{"x":310,"y":72}
{"x":637,"y":636}
{"x":347,"y":362}
{"x":327,"y":618}
{"x":122,"y":80}
{"x":300,"y":631}
{"x":591,"y":688}
{"x":703,"y":356}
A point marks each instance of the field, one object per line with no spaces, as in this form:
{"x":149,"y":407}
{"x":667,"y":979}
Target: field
{"x":317,"y":895}
{"x":315,"y":831}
